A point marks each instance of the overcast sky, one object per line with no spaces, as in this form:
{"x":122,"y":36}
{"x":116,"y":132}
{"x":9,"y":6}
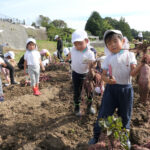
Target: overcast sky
{"x":76,"y":12}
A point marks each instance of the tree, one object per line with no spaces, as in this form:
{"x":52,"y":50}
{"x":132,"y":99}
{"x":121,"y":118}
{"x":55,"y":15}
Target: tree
{"x":43,"y":21}
{"x":106,"y":26}
{"x":134,"y":33}
{"x":33,"y":24}
{"x":113,"y":22}
{"x":59,"y":24}
{"x":125,"y":28}
{"x":94,"y":24}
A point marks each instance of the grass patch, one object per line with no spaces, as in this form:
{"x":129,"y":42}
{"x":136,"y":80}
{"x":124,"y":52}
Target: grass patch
{"x":50,"y":45}
{"x":100,"y":51}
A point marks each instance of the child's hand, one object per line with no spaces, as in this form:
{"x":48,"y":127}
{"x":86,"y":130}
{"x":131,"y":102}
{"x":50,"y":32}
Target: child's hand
{"x":112,"y":80}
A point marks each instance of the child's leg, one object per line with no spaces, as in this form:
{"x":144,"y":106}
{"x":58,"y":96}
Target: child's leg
{"x":1,"y":88}
{"x":107,"y":108}
{"x":37,"y":76}
{"x":32,"y":76}
{"x":77,"y":85}
{"x":125,"y":99}
{"x":6,"y":74}
{"x":11,"y":69}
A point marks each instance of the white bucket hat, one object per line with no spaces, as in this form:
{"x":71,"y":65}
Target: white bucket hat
{"x":56,"y":36}
{"x":31,"y":40}
{"x":79,"y":35}
{"x":66,"y":51}
{"x":11,"y":54}
{"x":112,"y":31}
{"x":106,"y":50}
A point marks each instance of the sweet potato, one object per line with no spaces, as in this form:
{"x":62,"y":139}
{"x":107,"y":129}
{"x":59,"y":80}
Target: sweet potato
{"x":144,"y":83}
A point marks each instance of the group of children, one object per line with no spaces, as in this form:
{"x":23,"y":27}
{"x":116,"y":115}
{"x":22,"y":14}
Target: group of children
{"x":117,"y":70}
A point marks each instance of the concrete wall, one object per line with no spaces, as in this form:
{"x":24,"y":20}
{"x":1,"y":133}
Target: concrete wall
{"x":97,"y":43}
{"x":16,"y":35}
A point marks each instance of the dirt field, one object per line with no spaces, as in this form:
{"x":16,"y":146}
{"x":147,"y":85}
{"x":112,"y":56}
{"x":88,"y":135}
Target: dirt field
{"x":47,"y":122}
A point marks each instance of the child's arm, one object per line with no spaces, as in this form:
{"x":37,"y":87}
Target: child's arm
{"x":135,"y":69}
{"x":25,"y":66}
{"x":106,"y":79}
{"x":3,"y":64}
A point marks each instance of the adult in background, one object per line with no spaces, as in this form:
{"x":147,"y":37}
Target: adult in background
{"x":59,"y":47}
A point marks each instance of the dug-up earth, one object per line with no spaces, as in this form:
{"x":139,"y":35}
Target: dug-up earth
{"x":47,"y":122}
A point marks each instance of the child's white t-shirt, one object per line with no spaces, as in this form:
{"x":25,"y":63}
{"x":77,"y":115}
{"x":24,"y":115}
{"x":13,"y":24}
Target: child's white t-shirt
{"x":1,"y":61}
{"x":78,"y":57}
{"x":32,"y":57}
{"x":120,"y":64}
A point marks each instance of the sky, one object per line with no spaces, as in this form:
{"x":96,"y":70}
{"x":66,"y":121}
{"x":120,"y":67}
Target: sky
{"x":76,"y":12}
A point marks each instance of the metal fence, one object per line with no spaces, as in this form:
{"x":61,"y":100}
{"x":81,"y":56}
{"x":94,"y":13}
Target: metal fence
{"x":5,"y":18}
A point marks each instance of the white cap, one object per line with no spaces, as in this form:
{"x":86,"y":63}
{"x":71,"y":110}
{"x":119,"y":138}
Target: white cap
{"x":140,"y":34}
{"x":56,"y":36}
{"x":112,"y":31}
{"x":55,"y":53}
{"x":31,"y":40}
{"x":11,"y":54}
{"x":66,"y":51}
{"x":79,"y":35}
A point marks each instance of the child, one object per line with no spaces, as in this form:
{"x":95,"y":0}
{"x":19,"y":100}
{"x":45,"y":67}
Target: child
{"x":32,"y":59}
{"x":78,"y":54}
{"x":45,"y":57}
{"x":118,"y":91}
{"x":9,"y":57}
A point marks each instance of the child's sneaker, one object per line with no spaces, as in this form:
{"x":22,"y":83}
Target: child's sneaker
{"x":1,"y":98}
{"x":7,"y":84}
{"x":129,"y":144}
{"x":93,"y":141}
{"x":77,"y":111}
{"x":15,"y":82}
{"x":92,"y":110}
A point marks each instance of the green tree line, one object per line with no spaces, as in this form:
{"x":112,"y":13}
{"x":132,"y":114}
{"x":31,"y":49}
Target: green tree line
{"x":95,"y":25}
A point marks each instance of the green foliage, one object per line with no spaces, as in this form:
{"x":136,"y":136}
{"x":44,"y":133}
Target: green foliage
{"x":59,"y":24}
{"x":43,"y":21}
{"x":97,"y":25}
{"x":94,"y":24}
{"x":114,"y":129}
{"x":51,"y":46}
{"x":125,"y":28}
{"x":64,"y":33}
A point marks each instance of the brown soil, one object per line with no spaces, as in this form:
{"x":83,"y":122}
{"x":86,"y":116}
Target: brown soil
{"x":47,"y":122}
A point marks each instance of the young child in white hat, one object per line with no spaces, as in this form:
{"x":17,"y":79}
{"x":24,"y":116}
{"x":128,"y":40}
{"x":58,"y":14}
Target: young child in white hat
{"x":81,"y":56}
{"x":32,"y":59}
{"x":9,"y":57}
{"x":121,"y":64}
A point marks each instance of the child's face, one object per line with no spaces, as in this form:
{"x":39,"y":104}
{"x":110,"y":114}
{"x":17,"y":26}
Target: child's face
{"x":115,"y":44}
{"x":81,"y":45}
{"x":31,"y":46}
